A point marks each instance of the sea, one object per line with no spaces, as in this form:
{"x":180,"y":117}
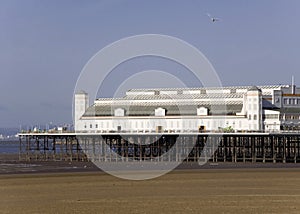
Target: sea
{"x":9,"y":147}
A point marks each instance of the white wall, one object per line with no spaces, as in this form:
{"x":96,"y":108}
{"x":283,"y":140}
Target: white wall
{"x":169,"y":124}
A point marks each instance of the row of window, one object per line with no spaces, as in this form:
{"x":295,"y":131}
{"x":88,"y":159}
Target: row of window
{"x":254,"y":117}
{"x":282,"y":117}
{"x":170,"y":124}
{"x":271,"y":116}
{"x":290,"y":117}
{"x":291,"y":101}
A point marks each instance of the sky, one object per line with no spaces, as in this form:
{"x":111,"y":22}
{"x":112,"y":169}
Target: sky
{"x":44,"y":46}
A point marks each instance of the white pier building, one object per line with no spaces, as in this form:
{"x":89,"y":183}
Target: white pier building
{"x":175,"y":110}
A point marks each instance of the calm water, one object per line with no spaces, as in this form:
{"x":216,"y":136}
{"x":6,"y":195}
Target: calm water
{"x":9,"y":147}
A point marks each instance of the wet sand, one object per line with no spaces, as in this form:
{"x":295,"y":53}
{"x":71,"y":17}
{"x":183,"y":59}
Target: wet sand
{"x":181,"y":191}
{"x":10,"y":164}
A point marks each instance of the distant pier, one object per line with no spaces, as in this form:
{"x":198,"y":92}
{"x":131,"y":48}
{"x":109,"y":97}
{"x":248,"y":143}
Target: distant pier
{"x":179,"y":147}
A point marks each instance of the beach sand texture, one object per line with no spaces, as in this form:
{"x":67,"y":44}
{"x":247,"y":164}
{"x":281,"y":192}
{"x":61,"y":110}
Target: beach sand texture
{"x":181,"y":191}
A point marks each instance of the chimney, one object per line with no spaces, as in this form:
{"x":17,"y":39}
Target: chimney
{"x":293,"y":85}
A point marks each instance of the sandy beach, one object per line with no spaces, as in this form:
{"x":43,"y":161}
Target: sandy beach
{"x":181,"y":191}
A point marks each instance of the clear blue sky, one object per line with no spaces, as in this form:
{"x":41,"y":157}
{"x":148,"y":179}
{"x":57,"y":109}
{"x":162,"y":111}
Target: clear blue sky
{"x":45,"y":44}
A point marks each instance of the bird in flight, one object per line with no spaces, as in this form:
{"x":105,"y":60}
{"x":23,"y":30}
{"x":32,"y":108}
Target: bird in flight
{"x":213,"y":19}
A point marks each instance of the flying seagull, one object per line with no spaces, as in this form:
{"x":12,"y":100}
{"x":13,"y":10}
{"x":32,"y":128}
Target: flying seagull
{"x":213,"y":19}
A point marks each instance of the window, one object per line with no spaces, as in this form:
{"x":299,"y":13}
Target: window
{"x":119,"y":112}
{"x":202,"y":111}
{"x":96,"y":126}
{"x":160,"y":112}
{"x":91,"y":126}
{"x":249,"y":117}
{"x":255,"y":117}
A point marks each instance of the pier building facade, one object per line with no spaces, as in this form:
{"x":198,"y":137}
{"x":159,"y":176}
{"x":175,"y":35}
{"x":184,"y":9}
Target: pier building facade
{"x":182,"y":110}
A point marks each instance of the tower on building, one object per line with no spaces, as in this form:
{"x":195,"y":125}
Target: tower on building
{"x":81,"y":104}
{"x":254,"y":108}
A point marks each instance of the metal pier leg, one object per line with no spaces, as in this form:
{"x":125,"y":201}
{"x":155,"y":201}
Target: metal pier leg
{"x":274,"y":150}
{"x":284,"y":150}
{"x":244,"y":151}
{"x":54,"y":148}
{"x":20,"y":147}
{"x":295,"y":151}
